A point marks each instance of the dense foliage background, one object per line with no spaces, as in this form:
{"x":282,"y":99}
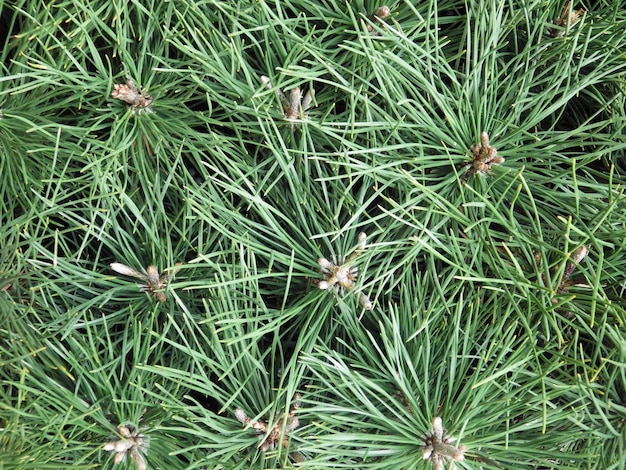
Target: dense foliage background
{"x":486,"y":311}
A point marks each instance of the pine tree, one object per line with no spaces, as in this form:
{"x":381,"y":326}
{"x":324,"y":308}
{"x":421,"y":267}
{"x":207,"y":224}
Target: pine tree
{"x":326,"y":235}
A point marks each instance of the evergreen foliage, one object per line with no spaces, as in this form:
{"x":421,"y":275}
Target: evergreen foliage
{"x":479,"y":144}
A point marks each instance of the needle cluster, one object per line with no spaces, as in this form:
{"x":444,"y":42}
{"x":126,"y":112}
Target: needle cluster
{"x":131,"y":443}
{"x":377,"y":17}
{"x":340,"y":275}
{"x":273,"y":435}
{"x":568,"y":18}
{"x":296,"y":106}
{"x":439,"y":448}
{"x":577,"y":256}
{"x":483,"y":156}
{"x":154,"y":283}
{"x":138,"y":100}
